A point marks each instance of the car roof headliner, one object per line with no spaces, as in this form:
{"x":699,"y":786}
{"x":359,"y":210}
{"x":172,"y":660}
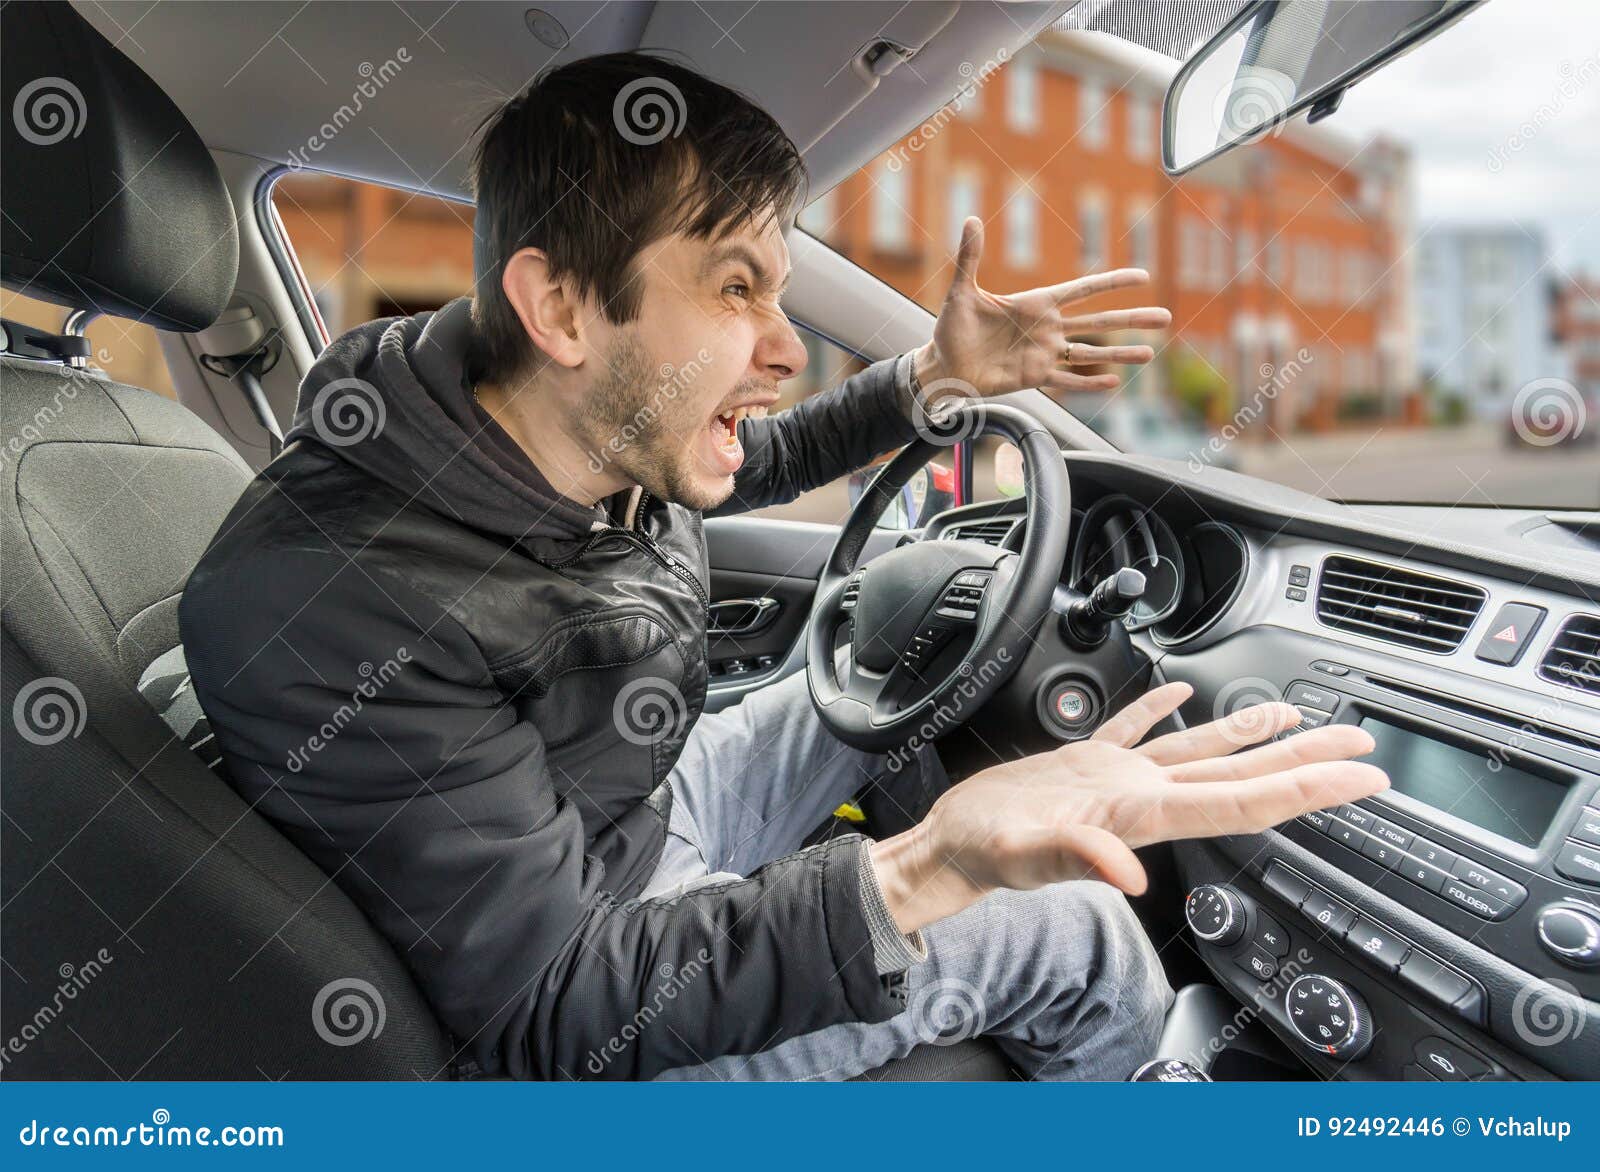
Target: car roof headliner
{"x":269,"y":79}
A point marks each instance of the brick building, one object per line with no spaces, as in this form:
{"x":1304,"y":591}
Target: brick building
{"x":1576,"y":328}
{"x":1295,"y":242}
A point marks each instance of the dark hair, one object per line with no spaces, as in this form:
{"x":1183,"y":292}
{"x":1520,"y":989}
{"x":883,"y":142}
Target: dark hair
{"x":598,"y":159}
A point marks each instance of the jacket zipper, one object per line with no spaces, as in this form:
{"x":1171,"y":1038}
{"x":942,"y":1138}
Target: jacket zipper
{"x":640,"y":540}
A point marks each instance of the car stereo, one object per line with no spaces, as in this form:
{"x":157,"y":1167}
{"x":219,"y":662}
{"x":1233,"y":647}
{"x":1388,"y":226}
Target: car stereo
{"x":1477,"y":786}
{"x":1471,"y":830}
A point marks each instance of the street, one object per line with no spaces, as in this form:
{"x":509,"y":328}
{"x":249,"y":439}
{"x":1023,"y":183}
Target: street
{"x":1467,"y":465}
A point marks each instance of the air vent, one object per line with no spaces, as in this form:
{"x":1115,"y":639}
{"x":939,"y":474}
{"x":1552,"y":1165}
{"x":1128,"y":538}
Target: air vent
{"x":1395,"y":605}
{"x":1574,"y":655}
{"x":988,"y":532}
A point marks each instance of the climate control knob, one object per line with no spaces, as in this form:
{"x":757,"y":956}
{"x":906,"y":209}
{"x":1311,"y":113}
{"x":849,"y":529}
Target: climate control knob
{"x":1571,"y":933}
{"x":1328,"y":1017}
{"x":1216,"y":914}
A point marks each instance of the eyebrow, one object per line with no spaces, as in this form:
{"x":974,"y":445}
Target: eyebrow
{"x":738,"y":250}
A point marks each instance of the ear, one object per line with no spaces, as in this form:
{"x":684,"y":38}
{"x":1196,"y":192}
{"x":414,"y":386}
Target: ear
{"x":546,"y":307}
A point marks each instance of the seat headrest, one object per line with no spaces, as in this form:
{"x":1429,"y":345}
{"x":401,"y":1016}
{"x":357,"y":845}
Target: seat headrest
{"x":111,"y":200}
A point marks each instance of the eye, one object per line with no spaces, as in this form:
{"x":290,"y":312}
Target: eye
{"x":737,"y":289}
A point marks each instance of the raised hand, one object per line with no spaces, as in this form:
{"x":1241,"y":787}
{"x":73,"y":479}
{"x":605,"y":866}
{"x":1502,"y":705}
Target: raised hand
{"x":994,"y":343}
{"x":1080,"y":811}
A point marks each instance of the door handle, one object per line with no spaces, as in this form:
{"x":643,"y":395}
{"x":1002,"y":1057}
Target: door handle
{"x":741,"y":616}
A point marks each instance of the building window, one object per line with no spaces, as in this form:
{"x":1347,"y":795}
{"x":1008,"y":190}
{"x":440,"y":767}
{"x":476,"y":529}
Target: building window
{"x":1191,"y":246}
{"x":1022,"y":96}
{"x":1022,"y":229}
{"x":1141,"y":127}
{"x":1244,"y":254}
{"x":1094,"y":111}
{"x":963,"y":202}
{"x":891,"y":218}
{"x":1140,"y":253}
{"x":1278,"y":261}
{"x":1092,"y":227}
{"x":1216,"y":258}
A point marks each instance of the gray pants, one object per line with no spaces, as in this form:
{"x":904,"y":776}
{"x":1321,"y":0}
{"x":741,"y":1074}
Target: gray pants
{"x":1063,"y":979}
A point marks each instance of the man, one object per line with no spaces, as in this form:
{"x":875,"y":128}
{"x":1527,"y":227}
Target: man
{"x":453,"y":643}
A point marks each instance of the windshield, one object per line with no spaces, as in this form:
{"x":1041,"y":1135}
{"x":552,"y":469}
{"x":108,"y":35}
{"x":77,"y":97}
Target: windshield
{"x":1401,"y":303}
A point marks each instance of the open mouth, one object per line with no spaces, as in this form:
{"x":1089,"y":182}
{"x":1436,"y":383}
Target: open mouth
{"x":725,"y":427}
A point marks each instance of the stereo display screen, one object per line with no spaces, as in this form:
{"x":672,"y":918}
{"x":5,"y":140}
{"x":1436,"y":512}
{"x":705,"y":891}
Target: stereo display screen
{"x":1480,"y":788}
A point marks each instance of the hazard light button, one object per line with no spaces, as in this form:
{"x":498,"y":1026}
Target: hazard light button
{"x":1507,"y":637}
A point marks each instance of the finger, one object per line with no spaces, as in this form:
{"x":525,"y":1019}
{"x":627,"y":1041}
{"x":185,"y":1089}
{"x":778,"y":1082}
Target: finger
{"x":1082,"y":287}
{"x":1129,"y":726}
{"x":1092,"y":852}
{"x":1083,"y":354}
{"x":1147,"y":318}
{"x":1237,"y":730}
{"x":1334,"y":742}
{"x":969,"y":252}
{"x":1066,"y":380}
{"x":1207,"y":808}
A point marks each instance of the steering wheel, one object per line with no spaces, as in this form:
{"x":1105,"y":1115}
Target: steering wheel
{"x":906,"y":618}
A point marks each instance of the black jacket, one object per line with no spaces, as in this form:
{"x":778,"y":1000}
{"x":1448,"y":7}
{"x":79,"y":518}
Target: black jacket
{"x":436,"y":675}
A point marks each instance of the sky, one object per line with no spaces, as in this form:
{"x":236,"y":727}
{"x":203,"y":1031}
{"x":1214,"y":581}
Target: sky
{"x":1502,"y":114}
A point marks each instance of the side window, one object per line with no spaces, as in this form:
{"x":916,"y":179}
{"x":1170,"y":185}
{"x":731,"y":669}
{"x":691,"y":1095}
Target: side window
{"x":126,"y":350}
{"x":371,"y":251}
{"x":928,"y":494}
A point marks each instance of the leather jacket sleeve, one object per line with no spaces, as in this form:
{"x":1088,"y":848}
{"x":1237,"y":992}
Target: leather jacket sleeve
{"x":366,"y":725}
{"x":824,"y":437}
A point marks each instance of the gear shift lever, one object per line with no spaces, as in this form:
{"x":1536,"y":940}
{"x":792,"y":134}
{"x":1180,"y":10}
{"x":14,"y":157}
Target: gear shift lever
{"x":1088,"y":620}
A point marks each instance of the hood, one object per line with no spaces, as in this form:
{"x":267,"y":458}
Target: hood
{"x":393,"y":397}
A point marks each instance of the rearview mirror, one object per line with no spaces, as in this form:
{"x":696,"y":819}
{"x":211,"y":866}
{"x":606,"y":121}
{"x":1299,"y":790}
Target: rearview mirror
{"x":1279,"y":57}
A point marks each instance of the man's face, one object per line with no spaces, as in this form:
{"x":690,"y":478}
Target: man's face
{"x":709,"y":346}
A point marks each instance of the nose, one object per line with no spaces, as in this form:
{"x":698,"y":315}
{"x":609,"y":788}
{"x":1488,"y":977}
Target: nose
{"x":779,"y":353}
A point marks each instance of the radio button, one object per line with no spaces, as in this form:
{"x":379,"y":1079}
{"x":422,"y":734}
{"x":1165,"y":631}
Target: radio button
{"x":1495,"y":884}
{"x":1422,"y":874}
{"x":1352,"y":836}
{"x":1577,"y":861}
{"x":1304,"y":695}
{"x":1479,"y":903}
{"x":1321,"y":819}
{"x":1587,"y":827}
{"x":1382,"y":853}
{"x":1377,"y":944}
{"x":1334,"y":917}
{"x":1390,"y":833}
{"x":1433,"y":853}
{"x":1311,"y":718}
{"x":1356,"y":816}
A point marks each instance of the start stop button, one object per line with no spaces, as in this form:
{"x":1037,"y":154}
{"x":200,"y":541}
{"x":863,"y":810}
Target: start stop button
{"x":1069,"y":707}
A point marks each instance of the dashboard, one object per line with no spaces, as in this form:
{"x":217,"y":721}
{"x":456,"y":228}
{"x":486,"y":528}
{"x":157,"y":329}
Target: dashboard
{"x":1449,"y":928}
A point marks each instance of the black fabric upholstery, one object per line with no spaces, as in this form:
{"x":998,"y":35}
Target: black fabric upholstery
{"x":116,"y":836}
{"x":111,"y":200}
{"x":139,"y":945}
